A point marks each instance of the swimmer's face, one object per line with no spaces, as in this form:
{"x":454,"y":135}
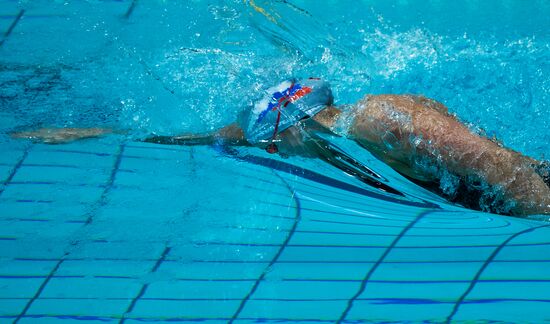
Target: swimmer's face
{"x":293,"y":141}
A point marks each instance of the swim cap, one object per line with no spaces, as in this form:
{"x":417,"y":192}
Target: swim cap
{"x":284,"y":105}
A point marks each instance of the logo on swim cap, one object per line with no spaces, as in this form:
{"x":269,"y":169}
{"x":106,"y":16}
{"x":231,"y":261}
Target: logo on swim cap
{"x":282,"y":99}
{"x":284,"y":105}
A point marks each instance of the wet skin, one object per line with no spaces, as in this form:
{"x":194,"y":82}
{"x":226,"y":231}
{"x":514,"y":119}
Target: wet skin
{"x":61,"y":135}
{"x":397,"y":128}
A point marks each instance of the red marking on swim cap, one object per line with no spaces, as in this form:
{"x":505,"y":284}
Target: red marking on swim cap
{"x":300,"y":93}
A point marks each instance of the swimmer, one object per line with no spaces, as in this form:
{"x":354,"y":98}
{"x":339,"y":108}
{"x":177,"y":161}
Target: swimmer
{"x":400,"y":130}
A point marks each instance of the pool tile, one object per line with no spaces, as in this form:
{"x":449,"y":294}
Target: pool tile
{"x":19,"y":287}
{"x":90,"y":287}
{"x":198,"y":289}
{"x":314,"y":290}
{"x":11,"y":307}
{"x":123,"y":268}
{"x":32,"y":249}
{"x":317,"y":271}
{"x":79,"y":308}
{"x":10,"y":267}
{"x":118,"y":250}
{"x":293,"y":310}
{"x":165,"y":309}
{"x":415,"y":310}
{"x":211,"y":270}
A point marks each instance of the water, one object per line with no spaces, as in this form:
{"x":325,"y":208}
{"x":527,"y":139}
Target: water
{"x":117,"y":230}
{"x":489,"y":67}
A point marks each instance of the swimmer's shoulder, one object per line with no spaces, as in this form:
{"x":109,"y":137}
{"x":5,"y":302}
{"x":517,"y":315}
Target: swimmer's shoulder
{"x":406,"y":103}
{"x":430,"y":104}
{"x":382,"y":106}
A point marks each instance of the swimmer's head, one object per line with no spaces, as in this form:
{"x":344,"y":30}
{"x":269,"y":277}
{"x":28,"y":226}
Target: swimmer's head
{"x":283,"y":106}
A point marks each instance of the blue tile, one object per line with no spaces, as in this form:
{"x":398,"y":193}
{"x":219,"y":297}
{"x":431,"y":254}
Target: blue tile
{"x":87,"y":287}
{"x":446,"y":291}
{"x":59,"y":193}
{"x":210,"y":270}
{"x":340,"y":240}
{"x":122,"y":250}
{"x":198,"y":289}
{"x":537,"y":252}
{"x":9,"y":267}
{"x":88,"y":268}
{"x":165,"y":309}
{"x":5,"y":171}
{"x":314,"y":290}
{"x":43,"y":230}
{"x":431,"y":272}
{"x":53,"y":319}
{"x":222,"y":253}
{"x":511,"y":290}
{"x":32,"y":248}
{"x":67,"y":176}
{"x":516,"y":311}
{"x":293,"y":310}
{"x":58,"y":212}
{"x":440,"y":254}
{"x":399,"y":311}
{"x":11,"y":307}
{"x":517,"y":270}
{"x":88,"y":307}
{"x":19,"y":287}
{"x":329,"y":254}
{"x":78,"y":156}
{"x":316,"y":271}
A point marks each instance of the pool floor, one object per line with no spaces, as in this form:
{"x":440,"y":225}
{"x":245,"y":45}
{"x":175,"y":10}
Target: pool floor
{"x":112,"y":230}
{"x":146,"y":233}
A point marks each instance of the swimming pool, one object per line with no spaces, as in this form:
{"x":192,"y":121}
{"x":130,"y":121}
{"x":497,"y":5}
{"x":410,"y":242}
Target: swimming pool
{"x":116,"y":230}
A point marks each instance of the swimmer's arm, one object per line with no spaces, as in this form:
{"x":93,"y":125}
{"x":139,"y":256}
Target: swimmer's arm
{"x":231,"y":134}
{"x":62,"y":135}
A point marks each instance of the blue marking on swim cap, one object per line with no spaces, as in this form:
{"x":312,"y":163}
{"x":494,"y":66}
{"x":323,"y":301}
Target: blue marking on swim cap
{"x":277,"y":98}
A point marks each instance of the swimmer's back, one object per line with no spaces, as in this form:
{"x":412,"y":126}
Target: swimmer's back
{"x":397,"y":128}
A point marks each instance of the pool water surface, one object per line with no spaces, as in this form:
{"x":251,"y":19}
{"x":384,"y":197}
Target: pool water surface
{"x":113,"y":229}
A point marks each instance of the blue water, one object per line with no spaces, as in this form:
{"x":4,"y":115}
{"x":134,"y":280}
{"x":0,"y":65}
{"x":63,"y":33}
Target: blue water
{"x":116,"y":230}
{"x":487,"y":62}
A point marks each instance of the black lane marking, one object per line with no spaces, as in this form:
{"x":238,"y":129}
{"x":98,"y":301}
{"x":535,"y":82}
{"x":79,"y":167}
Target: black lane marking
{"x":39,"y":291}
{"x":130,"y":9}
{"x":108,"y":186}
{"x":145,"y":286}
{"x":475,"y":280}
{"x":276,"y":257}
{"x":14,"y":171}
{"x":369,"y":274}
{"x":12,"y":26}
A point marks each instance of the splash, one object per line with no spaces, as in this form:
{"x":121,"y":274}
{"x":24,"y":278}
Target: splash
{"x":395,"y":52}
{"x":192,"y":67}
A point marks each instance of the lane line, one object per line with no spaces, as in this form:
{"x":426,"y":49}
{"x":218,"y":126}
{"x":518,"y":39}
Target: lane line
{"x":489,"y":260}
{"x":277,"y":255}
{"x":12,"y":26}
